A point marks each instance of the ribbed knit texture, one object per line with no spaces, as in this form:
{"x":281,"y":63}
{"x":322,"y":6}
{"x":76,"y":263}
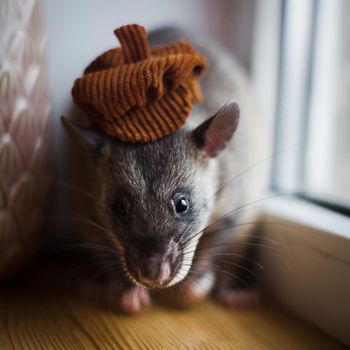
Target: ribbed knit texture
{"x":139,"y":93}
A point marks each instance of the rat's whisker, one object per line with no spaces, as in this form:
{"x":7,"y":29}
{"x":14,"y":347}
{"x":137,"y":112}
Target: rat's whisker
{"x":252,"y":244}
{"x":271,"y":157}
{"x":89,"y":265}
{"x":249,"y":244}
{"x":240,"y":256}
{"x":78,"y":218}
{"x":85,"y":220}
{"x":182,"y":234}
{"x":95,"y":224}
{"x":243,"y":172}
{"x":240,"y":209}
{"x":248,"y":235}
{"x":219,"y":269}
{"x":99,"y":268}
{"x":242,"y":267}
{"x":247,"y":204}
{"x":82,"y":191}
{"x":83,"y":245}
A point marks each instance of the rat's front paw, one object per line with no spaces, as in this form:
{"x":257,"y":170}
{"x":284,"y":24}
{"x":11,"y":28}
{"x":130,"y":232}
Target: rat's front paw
{"x":130,"y":300}
{"x":238,"y":299}
{"x":118,"y":296}
{"x":134,"y":300}
{"x":191,"y":291}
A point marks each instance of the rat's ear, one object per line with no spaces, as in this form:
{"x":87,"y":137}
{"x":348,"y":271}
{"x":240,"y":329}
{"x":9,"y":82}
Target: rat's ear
{"x":87,"y":140}
{"x":212,"y":135}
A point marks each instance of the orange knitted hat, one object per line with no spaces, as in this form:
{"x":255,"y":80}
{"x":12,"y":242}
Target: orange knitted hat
{"x":139,"y":93}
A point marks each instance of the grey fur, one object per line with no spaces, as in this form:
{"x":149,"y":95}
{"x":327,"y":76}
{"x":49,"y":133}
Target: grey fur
{"x":152,"y":173}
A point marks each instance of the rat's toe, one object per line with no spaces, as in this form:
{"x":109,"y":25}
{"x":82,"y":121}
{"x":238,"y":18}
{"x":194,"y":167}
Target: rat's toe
{"x":134,"y":300}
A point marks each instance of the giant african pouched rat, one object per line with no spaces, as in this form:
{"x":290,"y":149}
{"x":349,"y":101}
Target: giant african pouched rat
{"x":167,"y":218}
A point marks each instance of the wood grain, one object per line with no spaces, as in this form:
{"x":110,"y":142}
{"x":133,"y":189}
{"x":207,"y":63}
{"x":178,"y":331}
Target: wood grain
{"x":36,"y":322}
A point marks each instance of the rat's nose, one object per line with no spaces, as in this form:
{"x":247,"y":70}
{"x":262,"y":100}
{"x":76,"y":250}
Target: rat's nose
{"x":154,"y":272}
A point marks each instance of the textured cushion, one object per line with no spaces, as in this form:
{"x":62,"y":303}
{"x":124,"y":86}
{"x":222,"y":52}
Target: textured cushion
{"x":24,"y":110}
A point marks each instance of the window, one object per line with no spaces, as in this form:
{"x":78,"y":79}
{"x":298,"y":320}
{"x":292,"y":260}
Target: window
{"x":301,"y":72}
{"x":313,"y":129}
{"x":327,"y":157}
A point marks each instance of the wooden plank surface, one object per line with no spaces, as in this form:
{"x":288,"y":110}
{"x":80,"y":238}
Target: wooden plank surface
{"x":35,"y":322}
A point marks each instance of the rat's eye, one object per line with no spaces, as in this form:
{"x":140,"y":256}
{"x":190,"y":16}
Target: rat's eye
{"x":181,"y":205}
{"x":121,"y":206}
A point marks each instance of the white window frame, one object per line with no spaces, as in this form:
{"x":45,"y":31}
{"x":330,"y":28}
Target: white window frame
{"x":307,"y":255}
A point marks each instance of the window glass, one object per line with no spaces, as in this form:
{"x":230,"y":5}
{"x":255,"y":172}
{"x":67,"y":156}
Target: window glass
{"x":327,"y":161}
{"x":313,"y":102}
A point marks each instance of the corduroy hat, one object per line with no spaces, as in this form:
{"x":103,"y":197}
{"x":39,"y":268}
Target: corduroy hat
{"x":139,"y":93}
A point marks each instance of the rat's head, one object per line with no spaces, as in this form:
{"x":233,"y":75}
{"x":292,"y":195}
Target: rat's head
{"x":158,"y":197}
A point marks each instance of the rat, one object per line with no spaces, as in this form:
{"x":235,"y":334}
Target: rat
{"x":166,"y":219}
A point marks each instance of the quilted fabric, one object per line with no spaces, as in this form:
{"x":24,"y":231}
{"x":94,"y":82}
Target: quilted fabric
{"x":24,"y":112}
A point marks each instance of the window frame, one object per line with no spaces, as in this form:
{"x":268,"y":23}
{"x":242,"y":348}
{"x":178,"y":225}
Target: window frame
{"x":312,"y":236}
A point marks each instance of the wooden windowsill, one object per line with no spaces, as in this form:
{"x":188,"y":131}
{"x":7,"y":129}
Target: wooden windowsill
{"x":31,"y":321}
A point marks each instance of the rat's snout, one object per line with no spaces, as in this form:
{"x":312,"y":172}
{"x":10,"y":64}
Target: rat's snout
{"x":152,"y":265}
{"x":154,"y":271}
